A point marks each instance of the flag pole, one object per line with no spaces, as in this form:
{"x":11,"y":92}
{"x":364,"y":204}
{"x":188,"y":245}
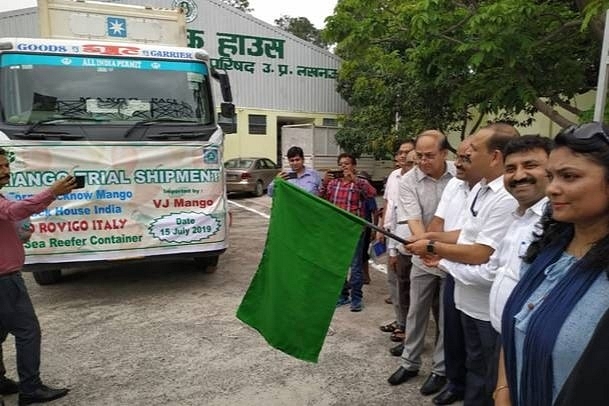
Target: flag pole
{"x":385,"y":232}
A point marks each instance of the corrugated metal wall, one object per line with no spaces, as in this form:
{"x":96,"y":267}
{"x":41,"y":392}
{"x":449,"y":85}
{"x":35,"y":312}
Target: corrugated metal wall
{"x":266,"y":90}
{"x":263,"y":86}
{"x":19,"y":23}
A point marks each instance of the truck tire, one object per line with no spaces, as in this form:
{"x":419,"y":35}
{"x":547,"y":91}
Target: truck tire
{"x":47,"y":277}
{"x":208,"y":264}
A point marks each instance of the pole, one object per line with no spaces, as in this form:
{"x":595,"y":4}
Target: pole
{"x":601,"y":87}
{"x":385,"y":232}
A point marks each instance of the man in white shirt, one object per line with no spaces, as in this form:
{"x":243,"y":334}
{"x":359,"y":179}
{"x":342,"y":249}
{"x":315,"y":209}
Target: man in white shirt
{"x":398,"y":266}
{"x":487,"y":217}
{"x":526,"y":179}
{"x":449,"y":218}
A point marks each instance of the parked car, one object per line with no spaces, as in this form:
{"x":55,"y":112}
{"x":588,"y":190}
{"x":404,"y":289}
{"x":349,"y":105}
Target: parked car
{"x":251,"y":175}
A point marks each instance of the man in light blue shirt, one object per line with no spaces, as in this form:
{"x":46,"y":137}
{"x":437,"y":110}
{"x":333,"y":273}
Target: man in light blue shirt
{"x":299,"y":175}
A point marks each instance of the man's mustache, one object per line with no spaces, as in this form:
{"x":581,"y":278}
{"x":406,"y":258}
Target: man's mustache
{"x":525,"y":181}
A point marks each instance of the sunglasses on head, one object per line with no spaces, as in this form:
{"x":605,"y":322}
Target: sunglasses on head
{"x":587,"y":131}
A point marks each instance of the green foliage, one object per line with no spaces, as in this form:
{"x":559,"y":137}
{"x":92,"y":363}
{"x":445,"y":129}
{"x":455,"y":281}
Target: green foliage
{"x":588,"y":115}
{"x":431,"y":62}
{"x":594,"y":9}
{"x":302,"y":28}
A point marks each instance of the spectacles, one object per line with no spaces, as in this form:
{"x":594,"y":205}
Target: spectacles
{"x":587,"y":131}
{"x":463,"y":158}
{"x":480,"y":194}
{"x":428,"y":156}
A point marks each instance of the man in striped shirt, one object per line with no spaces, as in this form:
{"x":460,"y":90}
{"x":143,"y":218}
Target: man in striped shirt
{"x":348,"y":191}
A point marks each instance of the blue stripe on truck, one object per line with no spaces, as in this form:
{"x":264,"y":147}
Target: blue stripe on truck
{"x":11,"y":60}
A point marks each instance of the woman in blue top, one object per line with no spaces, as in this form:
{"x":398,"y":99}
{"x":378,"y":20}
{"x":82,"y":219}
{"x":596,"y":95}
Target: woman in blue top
{"x":553,"y":319}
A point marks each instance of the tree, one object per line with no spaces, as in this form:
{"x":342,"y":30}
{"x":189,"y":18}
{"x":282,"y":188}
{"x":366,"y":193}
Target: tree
{"x":302,"y":28}
{"x":432,"y":62}
{"x":243,"y":5}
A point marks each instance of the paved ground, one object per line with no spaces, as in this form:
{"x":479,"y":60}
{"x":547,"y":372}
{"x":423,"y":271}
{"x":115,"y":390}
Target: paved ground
{"x":166,"y":334}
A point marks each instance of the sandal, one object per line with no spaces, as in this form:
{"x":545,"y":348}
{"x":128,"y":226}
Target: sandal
{"x":397,"y":336}
{"x":389,"y":328}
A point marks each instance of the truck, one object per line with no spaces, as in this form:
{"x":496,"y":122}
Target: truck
{"x":108,"y":98}
{"x":321,"y":151}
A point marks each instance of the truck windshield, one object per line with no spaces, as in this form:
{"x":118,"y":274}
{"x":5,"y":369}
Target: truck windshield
{"x":35,"y":88}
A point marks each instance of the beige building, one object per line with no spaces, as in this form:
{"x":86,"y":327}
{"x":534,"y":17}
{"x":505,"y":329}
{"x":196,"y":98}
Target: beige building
{"x":541,"y":125}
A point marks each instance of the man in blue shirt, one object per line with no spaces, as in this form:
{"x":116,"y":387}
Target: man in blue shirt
{"x":299,"y":175}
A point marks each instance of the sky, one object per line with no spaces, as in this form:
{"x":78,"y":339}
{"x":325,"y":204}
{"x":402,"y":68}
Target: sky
{"x":267,"y":10}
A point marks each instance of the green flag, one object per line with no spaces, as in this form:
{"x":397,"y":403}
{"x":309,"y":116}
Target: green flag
{"x":309,"y":247}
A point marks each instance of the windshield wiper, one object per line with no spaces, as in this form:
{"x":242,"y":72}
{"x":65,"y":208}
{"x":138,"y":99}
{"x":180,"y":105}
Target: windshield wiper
{"x":188,"y":135}
{"x":50,"y":134}
{"x":149,"y":121}
{"x":58,"y":119}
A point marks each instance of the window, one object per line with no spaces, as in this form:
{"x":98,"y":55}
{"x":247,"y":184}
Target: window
{"x":330,"y":122}
{"x":270,"y":164}
{"x":257,"y":124}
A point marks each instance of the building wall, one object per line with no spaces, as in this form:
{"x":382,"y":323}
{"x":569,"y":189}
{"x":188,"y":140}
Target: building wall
{"x":19,"y":23}
{"x":541,"y":125}
{"x":268,"y":144}
{"x":272,"y":72}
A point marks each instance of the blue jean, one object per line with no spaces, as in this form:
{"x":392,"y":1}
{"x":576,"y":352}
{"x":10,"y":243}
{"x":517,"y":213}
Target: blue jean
{"x":356,"y":279}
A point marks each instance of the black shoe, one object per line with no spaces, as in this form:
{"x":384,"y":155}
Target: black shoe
{"x":447,"y":397}
{"x":433,"y":384}
{"x":41,"y":395}
{"x":401,"y":375}
{"x":8,"y":386}
{"x":397,"y":350}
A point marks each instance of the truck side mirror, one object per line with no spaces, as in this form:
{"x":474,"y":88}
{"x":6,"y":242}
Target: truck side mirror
{"x":227,"y":110}
{"x":226,"y":121}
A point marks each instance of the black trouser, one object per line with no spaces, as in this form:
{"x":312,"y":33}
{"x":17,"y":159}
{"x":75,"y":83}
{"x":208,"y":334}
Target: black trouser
{"x":480,"y":343}
{"x":454,"y":341}
{"x":403,"y":267}
{"x":18,"y":318}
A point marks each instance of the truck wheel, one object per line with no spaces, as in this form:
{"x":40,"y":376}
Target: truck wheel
{"x":208,"y":264}
{"x":259,"y":191}
{"x":47,"y":277}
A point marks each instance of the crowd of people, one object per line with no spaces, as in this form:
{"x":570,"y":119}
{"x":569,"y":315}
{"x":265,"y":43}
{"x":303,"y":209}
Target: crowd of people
{"x":505,"y":249}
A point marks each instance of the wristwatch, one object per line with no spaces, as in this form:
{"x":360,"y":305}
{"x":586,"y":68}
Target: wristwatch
{"x":430,"y":247}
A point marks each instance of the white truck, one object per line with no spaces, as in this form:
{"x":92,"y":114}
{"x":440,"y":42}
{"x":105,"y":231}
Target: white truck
{"x":133,"y":118}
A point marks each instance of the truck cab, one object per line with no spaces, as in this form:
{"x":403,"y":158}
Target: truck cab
{"x":138,"y":122}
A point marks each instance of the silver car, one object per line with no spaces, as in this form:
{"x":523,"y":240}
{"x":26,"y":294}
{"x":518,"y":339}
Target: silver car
{"x":251,"y":175}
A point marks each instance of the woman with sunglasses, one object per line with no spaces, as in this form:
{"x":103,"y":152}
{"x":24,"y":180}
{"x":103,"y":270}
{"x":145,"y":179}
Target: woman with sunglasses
{"x":555,"y":324}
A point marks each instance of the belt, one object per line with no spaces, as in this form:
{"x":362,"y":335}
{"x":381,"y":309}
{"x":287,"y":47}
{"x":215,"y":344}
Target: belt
{"x":6,"y":275}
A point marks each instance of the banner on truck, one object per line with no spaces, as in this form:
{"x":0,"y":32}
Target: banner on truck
{"x":139,"y":199}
